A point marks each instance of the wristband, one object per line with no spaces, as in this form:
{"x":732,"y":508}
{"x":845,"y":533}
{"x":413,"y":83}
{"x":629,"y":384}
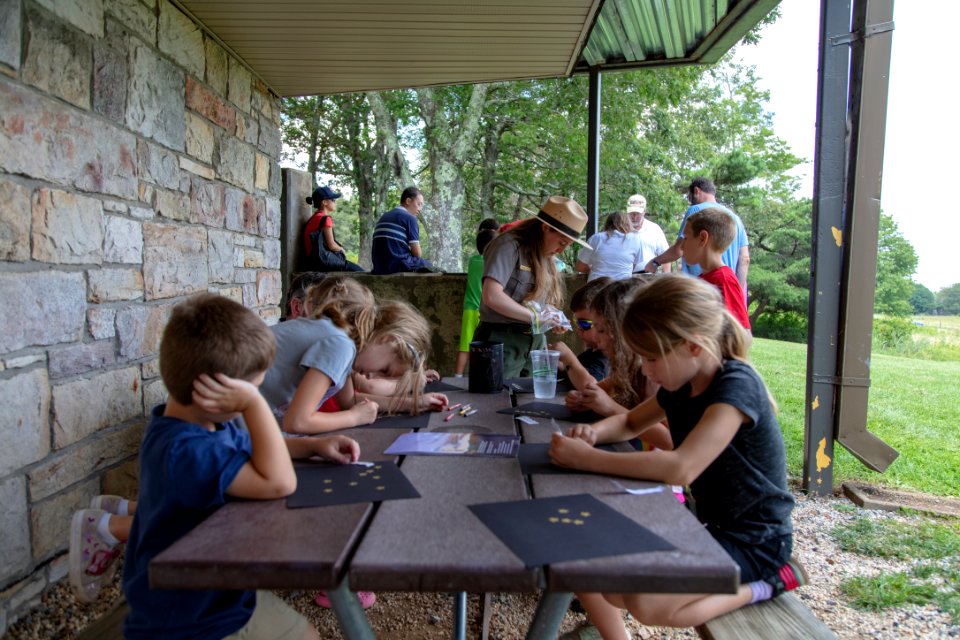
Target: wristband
{"x":656,"y":262}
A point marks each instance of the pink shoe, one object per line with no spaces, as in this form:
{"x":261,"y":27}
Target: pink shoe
{"x":92,"y":559}
{"x":367,"y":598}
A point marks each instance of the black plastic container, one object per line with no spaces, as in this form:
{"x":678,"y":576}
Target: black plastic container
{"x":486,"y":367}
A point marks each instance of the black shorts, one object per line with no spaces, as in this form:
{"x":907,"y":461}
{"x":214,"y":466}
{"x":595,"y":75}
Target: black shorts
{"x":757,"y":560}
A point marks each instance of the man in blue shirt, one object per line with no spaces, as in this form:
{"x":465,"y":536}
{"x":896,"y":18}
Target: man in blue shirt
{"x":396,"y":238}
{"x":702,"y":194}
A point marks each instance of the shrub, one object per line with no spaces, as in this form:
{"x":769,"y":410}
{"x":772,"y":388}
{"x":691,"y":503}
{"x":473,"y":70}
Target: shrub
{"x":892,"y":334}
{"x":789,"y":326}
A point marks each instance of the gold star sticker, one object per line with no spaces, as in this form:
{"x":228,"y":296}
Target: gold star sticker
{"x":565,"y":520}
{"x":381,"y":488}
{"x":578,"y":521}
{"x":353,"y":484}
{"x":328,"y":490}
{"x":554,"y":519}
{"x":327,"y":481}
{"x":585,"y":514}
{"x":376,"y":477}
{"x":563,"y":510}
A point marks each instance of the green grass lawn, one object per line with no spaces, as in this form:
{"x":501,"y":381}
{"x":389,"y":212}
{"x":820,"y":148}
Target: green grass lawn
{"x":913,"y":407}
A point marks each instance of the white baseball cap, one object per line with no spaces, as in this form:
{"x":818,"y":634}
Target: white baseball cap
{"x":636,"y":204}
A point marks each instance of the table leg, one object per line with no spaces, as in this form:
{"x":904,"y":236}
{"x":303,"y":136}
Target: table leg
{"x":460,"y":616}
{"x":353,"y":621}
{"x":549,"y":616}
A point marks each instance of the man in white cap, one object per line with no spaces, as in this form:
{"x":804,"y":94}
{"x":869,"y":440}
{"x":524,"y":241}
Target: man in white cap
{"x":653,"y":241}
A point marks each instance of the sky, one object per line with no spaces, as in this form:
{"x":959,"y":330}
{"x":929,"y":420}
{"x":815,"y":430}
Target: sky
{"x":921,"y":133}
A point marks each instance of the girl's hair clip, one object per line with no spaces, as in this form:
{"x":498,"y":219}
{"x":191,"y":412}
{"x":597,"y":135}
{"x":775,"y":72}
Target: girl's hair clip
{"x":414,"y":353}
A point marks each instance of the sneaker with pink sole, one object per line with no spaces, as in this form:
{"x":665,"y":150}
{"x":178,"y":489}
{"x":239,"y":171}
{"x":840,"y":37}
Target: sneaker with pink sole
{"x":367,"y":598}
{"x":92,"y":559}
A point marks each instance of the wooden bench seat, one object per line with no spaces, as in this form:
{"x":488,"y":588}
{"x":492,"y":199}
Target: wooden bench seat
{"x":783,"y":618}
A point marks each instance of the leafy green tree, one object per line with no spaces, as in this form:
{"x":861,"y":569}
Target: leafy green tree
{"x":948,"y":300}
{"x":922,"y":299}
{"x":896,"y":264}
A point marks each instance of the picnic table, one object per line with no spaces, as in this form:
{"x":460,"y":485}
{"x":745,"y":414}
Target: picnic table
{"x":435,"y":543}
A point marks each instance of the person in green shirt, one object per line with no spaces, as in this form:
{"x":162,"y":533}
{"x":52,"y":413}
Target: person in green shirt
{"x":471,"y":296}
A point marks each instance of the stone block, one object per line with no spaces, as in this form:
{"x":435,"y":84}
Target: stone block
{"x":50,"y":519}
{"x":154,"y":393}
{"x":235,"y":163}
{"x":86,"y":15}
{"x":81,"y":358}
{"x":271,"y":253}
{"x":111,"y":285}
{"x":206,"y":203}
{"x":158,"y":165}
{"x":67,"y":228}
{"x":234,"y":293}
{"x":139,"y":329}
{"x":57,"y":60}
{"x":171,"y":204}
{"x":135,"y":16}
{"x":24,"y":594}
{"x":141,"y":213}
{"x":249,"y":294}
{"x":85,"y":406}
{"x":197,"y":169}
{"x":243,"y":211}
{"x":248,"y":128}
{"x":217,"y":66}
{"x":253,"y":259}
{"x":155,"y":100}
{"x":239,"y":85}
{"x":245,"y":276}
{"x":200,"y":139}
{"x":114,"y":206}
{"x":88,"y":458}
{"x":269,"y":141}
{"x":270,"y":226}
{"x":100,"y":322}
{"x":123,"y":480}
{"x":123,"y":241}
{"x":210,"y":106}
{"x":270,"y":315}
{"x":261,"y":173}
{"x":22,"y":362}
{"x":269,"y":288}
{"x":46,"y":140}
{"x":14,"y":528}
{"x":151,"y":369}
{"x":24,"y":419}
{"x":58,"y":568}
{"x":181,"y":39}
{"x":110,"y":77}
{"x":42,"y":308}
{"x":10,"y":35}
{"x":220,"y":251}
{"x":14,"y":221}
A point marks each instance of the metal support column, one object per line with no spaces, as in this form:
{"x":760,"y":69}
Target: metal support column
{"x":840,"y":314}
{"x":869,"y":78}
{"x":593,"y":153}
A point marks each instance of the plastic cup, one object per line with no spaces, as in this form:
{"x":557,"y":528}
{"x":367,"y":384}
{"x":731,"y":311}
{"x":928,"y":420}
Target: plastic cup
{"x":545,"y":363}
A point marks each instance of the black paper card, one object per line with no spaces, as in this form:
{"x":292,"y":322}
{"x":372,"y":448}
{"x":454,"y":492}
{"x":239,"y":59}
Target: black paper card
{"x":324,"y":485}
{"x":550,"y":530}
{"x":551,"y":410}
{"x":534,"y":459}
{"x":441,"y":386}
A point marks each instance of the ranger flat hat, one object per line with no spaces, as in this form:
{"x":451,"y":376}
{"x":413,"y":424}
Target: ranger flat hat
{"x":564,"y":215}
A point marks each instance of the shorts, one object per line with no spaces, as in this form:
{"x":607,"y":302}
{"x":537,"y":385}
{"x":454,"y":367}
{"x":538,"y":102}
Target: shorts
{"x":272,"y":619}
{"x":758,"y":560}
{"x":468,"y":324}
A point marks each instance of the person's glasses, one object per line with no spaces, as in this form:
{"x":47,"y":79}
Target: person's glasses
{"x":585,"y":325}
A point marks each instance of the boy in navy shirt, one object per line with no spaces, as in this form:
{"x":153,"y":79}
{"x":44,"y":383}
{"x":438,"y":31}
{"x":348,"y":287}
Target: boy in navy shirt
{"x":213,"y":356}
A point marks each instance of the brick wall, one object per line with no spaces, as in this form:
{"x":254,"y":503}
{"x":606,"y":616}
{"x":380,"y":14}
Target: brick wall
{"x":138,"y":165}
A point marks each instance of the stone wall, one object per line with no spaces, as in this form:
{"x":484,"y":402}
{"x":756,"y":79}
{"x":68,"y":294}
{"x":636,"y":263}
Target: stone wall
{"x":138,"y":165}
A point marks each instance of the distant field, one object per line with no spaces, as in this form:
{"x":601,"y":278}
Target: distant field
{"x":913,"y":407}
{"x":947,"y":327}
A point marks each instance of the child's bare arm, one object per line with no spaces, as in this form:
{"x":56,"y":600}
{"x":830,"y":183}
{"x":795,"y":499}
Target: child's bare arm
{"x":302,"y":416}
{"x":577,"y":374}
{"x":337,"y":448}
{"x":269,"y":473}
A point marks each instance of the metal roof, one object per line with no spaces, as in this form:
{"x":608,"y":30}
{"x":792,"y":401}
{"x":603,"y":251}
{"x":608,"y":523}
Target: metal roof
{"x":311,"y":47}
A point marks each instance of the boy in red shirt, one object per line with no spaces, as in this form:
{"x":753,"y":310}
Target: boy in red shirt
{"x":706,"y":236}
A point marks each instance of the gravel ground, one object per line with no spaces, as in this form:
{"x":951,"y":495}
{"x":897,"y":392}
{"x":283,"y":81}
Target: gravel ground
{"x":405,"y":616}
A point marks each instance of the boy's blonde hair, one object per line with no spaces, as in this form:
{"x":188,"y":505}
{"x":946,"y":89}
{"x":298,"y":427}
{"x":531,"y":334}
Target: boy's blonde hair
{"x":402,"y":325}
{"x":719,"y":225}
{"x":548,"y":286}
{"x":627,"y":382}
{"x":674,"y":309}
{"x":208,"y":333}
{"x":347,"y":303}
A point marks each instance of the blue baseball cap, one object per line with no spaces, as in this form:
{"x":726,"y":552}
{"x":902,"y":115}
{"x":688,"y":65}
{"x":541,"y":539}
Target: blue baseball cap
{"x":322,"y":193}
